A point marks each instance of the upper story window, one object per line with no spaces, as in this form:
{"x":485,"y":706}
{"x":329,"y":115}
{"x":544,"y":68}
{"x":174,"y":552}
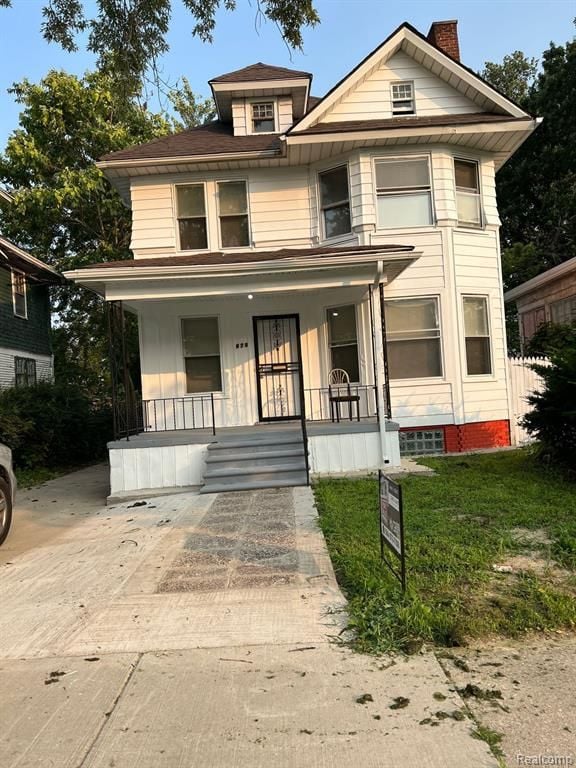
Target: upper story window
{"x":263,"y":117}
{"x":335,"y":201}
{"x":192,"y":226}
{"x":404,"y":192}
{"x":233,"y":214}
{"x":403,"y":98}
{"x":467,"y":193}
{"x":19,"y":303}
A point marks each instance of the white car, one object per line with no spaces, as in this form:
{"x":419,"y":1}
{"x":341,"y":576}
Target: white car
{"x":7,"y":491}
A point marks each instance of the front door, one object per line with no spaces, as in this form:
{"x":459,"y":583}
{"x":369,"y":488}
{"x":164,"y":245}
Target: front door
{"x":278,"y":367}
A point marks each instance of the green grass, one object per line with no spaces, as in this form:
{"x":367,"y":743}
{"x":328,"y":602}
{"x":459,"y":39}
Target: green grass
{"x":457,"y":525}
{"x":30,"y":478}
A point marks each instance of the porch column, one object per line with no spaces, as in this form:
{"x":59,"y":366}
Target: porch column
{"x":379,"y":367}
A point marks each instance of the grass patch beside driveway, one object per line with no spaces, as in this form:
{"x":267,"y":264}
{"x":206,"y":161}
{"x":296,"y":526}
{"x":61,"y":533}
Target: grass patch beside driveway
{"x":497,"y":509}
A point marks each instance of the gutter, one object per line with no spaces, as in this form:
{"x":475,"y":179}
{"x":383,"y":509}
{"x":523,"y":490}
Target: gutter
{"x":182,"y":159}
{"x":554,"y":273}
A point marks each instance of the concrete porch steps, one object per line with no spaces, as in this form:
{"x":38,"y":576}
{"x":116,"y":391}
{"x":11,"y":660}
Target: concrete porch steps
{"x":270,"y":460}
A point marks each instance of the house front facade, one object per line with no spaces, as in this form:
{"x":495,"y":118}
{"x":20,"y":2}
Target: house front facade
{"x":25,"y":345}
{"x":324,"y":267}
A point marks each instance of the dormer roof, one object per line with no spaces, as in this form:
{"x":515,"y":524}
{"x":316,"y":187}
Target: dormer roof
{"x":261,"y":81}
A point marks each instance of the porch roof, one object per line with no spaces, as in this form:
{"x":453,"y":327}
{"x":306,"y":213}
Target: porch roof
{"x":231,"y":273}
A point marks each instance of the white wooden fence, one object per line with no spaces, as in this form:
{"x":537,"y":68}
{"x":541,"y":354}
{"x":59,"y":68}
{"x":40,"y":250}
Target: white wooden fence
{"x":522,"y":382}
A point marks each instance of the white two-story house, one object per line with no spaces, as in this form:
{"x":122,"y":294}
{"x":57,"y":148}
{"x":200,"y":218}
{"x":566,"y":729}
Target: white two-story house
{"x":317,"y":280}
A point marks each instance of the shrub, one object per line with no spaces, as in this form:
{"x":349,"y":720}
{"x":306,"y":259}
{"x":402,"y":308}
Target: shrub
{"x":53,"y":425}
{"x":553,"y":418}
{"x":551,"y":339}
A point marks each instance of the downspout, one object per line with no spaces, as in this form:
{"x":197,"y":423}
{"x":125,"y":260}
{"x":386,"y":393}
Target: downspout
{"x":379,"y":364}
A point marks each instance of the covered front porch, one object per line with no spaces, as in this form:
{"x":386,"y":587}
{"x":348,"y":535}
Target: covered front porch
{"x":288,"y":354}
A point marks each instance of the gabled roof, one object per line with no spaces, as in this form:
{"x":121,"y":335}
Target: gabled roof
{"x":14,"y":257}
{"x":409,"y":122}
{"x":260,"y":71}
{"x":448,"y":68}
{"x":554,"y":273}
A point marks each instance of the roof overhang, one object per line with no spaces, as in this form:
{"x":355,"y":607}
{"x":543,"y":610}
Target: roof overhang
{"x":224,"y":93}
{"x":148,"y":282}
{"x":500,"y":138}
{"x":20,"y":260}
{"x":555,"y":273}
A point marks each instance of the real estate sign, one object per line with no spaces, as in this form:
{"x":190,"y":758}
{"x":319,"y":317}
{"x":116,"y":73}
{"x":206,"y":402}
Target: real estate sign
{"x":392,"y":524}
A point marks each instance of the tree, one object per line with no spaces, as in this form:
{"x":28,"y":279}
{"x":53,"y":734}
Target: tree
{"x":129,"y":36}
{"x":514,"y":77}
{"x":192,"y":109}
{"x":64,"y":210}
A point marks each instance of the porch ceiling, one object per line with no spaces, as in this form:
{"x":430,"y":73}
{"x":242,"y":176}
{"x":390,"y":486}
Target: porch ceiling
{"x":144,"y":280}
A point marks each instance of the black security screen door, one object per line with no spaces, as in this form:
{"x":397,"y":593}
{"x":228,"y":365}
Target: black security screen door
{"x":278,"y":367}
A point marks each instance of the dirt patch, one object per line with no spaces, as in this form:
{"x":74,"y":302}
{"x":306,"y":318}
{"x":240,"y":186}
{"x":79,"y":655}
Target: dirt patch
{"x":532,"y":563}
{"x":530,"y":538}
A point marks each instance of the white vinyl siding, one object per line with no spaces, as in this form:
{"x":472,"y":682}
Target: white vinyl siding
{"x":44,"y":366}
{"x":371,"y":99}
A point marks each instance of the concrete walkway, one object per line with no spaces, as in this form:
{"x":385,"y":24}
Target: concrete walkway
{"x":195,"y":631}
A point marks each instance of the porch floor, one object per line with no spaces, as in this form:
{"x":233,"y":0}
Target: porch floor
{"x":248,"y":432}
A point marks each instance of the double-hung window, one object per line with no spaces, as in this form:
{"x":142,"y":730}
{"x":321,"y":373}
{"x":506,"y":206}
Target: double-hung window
{"x":467,"y":193}
{"x":201,"y":349}
{"x":233,"y":214}
{"x":263,"y":117}
{"x":477,"y":333}
{"x":413,"y":338}
{"x":191,"y":204}
{"x":24,"y":371}
{"x":19,"y":294}
{"x":335,"y":201}
{"x":404,"y":192}
{"x":403,"y":98}
{"x":343,"y":340}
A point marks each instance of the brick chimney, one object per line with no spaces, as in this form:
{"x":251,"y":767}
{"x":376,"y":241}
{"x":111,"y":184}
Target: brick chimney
{"x":444,"y":35}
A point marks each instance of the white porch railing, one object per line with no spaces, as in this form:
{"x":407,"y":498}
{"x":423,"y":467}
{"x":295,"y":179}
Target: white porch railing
{"x":522,"y":382}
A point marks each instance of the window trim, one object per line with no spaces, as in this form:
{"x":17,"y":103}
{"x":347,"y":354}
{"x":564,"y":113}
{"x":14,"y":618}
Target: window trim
{"x":322,"y":225}
{"x":206,"y":215}
{"x":328,"y":347}
{"x":184,"y":388}
{"x":402,"y":113}
{"x":217,"y":208}
{"x":463,"y":224}
{"x":422,"y":380}
{"x":409,"y":156}
{"x":250,"y":116}
{"x":25,"y":359}
{"x":13,"y":274}
{"x":464,"y":357}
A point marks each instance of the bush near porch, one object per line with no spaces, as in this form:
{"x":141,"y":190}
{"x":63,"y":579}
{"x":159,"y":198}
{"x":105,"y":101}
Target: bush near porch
{"x":476,"y":512}
{"x":51,"y":427}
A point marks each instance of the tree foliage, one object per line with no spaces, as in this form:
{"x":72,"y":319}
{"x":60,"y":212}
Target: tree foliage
{"x":192,"y":109}
{"x":129,"y":36}
{"x":513,"y":77}
{"x":551,"y":339}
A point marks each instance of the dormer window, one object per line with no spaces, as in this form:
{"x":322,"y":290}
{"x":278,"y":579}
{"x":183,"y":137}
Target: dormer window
{"x":263,"y":117}
{"x":403,"y":98}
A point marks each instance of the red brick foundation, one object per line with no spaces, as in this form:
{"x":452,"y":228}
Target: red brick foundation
{"x":469,"y":437}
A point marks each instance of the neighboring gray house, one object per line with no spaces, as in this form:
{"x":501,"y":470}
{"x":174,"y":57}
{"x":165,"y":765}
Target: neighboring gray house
{"x":25,"y":347}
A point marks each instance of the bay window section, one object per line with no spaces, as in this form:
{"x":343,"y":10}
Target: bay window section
{"x":343,"y":340}
{"x":191,"y":207}
{"x":201,"y":350}
{"x":477,"y":333}
{"x":467,"y":193}
{"x":404,"y":192}
{"x":233,"y":214}
{"x":413,"y":338}
{"x":335,"y":202}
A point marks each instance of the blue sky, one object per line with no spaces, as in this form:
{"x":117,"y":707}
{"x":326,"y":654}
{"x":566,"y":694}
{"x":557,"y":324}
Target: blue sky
{"x":489,"y":29}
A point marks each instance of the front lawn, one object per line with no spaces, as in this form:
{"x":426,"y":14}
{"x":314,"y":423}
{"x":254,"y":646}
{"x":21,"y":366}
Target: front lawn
{"x":476,"y":512}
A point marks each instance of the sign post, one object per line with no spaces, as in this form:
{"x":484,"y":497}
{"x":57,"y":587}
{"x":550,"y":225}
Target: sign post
{"x":392,"y":525}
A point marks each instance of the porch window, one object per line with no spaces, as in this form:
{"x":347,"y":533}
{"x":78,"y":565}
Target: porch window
{"x":19,"y":294}
{"x":467,"y":193}
{"x":263,"y":117}
{"x":233,"y":210}
{"x":24,"y":371}
{"x":201,"y":348}
{"x":477,"y":332}
{"x":335,"y":201}
{"x":413,"y":331}
{"x":343,"y":340}
{"x":192,"y":217}
{"x":404,"y":192}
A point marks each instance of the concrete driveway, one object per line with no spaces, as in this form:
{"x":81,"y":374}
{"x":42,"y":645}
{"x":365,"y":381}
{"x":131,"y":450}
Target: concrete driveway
{"x":195,"y":631}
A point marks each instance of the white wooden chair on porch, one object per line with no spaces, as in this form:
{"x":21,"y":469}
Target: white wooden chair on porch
{"x":339,"y":392}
